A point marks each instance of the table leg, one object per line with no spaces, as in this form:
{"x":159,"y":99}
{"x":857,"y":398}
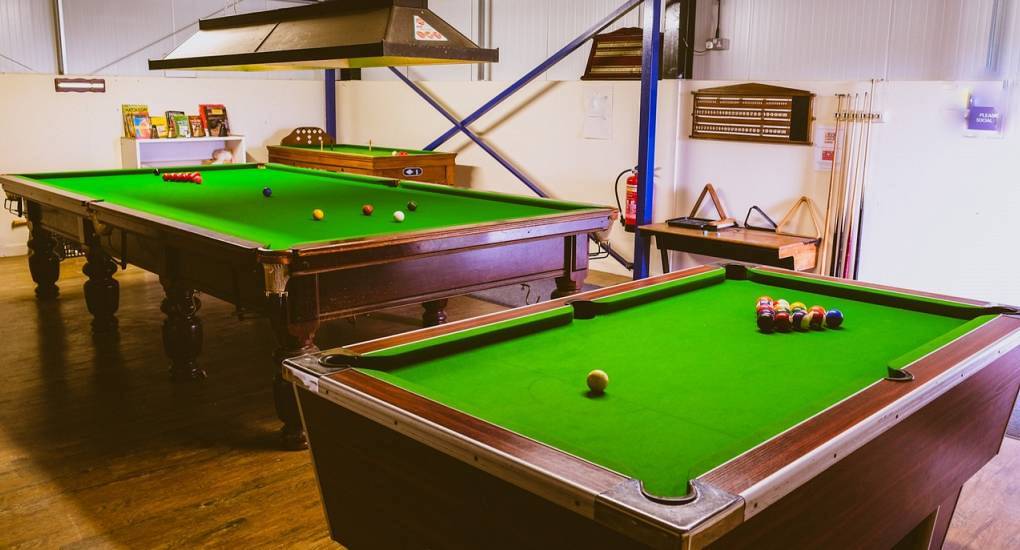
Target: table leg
{"x":182,"y":331}
{"x":569,"y":284}
{"x":294,"y":338}
{"x":435,"y":312}
{"x":43,"y":262}
{"x":102,"y":291}
{"x":931,"y":532}
{"x":664,"y":252}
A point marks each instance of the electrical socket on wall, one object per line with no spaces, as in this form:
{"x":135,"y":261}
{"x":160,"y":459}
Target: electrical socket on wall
{"x":717,"y":44}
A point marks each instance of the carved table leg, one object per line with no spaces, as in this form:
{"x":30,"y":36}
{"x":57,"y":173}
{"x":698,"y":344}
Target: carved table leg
{"x":435,"y":313}
{"x":102,"y":291}
{"x":182,"y":332}
{"x":294,"y":338}
{"x":43,"y":262}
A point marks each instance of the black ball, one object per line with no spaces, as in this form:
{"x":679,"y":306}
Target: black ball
{"x":155,"y":171}
{"x":412,"y":206}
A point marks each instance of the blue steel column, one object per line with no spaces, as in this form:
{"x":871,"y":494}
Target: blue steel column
{"x":650,"y":65}
{"x":331,"y":103}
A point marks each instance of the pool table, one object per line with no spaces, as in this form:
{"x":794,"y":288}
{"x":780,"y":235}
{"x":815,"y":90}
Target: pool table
{"x":711,"y":433}
{"x":430,"y":166}
{"x":266,"y":254}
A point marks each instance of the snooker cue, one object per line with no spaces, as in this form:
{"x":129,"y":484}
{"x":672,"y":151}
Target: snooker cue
{"x":844,"y":169}
{"x":837,"y":218}
{"x":826,"y":248}
{"x":864,"y":181}
{"x":852,"y":202}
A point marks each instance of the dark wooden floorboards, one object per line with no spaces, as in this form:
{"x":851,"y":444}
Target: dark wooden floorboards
{"x":99,"y":449}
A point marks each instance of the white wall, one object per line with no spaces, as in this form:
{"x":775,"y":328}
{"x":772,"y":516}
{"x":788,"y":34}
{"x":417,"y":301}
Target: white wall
{"x":539,"y":130}
{"x":940,"y":211}
{"x":940,"y":208}
{"x":41,"y":130}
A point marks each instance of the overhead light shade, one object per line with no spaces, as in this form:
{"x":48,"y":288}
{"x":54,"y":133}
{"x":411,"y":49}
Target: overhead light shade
{"x":339,"y":34}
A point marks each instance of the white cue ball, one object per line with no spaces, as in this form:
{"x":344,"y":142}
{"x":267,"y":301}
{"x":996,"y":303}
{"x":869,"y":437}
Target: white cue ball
{"x":597,"y":381}
{"x":398,"y":216}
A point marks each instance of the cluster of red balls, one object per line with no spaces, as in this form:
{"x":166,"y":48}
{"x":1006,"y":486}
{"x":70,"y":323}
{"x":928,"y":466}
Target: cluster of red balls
{"x":193,"y":177}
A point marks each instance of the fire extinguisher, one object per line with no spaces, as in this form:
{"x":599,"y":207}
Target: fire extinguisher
{"x":629,"y":219}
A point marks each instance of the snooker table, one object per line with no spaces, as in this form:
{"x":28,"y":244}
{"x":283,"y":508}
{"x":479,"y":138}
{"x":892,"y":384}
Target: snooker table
{"x":430,"y":166}
{"x":481,"y":433}
{"x":268,"y":255}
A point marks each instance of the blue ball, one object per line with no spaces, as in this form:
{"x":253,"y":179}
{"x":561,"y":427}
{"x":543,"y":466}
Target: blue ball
{"x":833,"y":318}
{"x":267,"y":192}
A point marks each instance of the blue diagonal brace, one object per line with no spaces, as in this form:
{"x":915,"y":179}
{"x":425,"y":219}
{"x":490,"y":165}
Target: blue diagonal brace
{"x":535,"y":73}
{"x":499,"y":158}
{"x":471,"y":135}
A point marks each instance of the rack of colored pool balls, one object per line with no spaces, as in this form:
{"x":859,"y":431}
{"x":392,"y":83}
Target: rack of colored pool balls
{"x":782,"y":316}
{"x":190,"y":177}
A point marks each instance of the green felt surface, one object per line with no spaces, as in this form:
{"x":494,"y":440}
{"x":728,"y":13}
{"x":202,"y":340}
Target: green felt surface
{"x":230,"y":201}
{"x":692,"y":381}
{"x":363,"y":150}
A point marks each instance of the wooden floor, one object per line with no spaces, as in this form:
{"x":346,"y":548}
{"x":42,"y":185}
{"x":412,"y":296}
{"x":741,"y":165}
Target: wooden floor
{"x":98,"y":449}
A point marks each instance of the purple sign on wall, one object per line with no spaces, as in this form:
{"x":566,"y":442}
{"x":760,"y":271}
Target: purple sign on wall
{"x":985,"y":119}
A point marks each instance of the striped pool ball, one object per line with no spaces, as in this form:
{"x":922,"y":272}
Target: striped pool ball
{"x":805,"y":321}
{"x":797,"y":319}
{"x":817,"y":319}
{"x":798,"y":305}
{"x":766,"y":322}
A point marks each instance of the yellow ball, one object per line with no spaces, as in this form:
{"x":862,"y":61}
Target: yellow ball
{"x":597,"y":381}
{"x":318,"y":214}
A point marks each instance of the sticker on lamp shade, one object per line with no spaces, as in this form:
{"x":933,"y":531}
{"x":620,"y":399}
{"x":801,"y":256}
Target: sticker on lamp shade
{"x":412,"y":171}
{"x":425,"y":32}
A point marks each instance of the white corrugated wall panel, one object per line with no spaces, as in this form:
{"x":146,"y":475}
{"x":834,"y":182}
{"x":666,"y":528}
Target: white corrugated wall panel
{"x":520,"y":29}
{"x":27,"y":38}
{"x":118,"y":37}
{"x":838,"y":40}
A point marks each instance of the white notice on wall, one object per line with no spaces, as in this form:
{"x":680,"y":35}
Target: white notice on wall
{"x":825,"y":148}
{"x":598,"y":113}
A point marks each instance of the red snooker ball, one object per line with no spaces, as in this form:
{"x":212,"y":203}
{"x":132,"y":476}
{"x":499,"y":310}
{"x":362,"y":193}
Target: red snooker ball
{"x":367,"y":209}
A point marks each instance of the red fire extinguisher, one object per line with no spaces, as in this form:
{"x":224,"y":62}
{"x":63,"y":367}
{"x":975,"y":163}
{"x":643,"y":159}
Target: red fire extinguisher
{"x":629,"y":219}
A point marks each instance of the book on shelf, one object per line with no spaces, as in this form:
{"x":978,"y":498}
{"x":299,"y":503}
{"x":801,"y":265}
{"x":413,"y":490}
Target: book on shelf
{"x":128,"y":112}
{"x":141,"y":127}
{"x":214,"y":118}
{"x":177,"y":124}
{"x":159,"y":127}
{"x":197,"y":128}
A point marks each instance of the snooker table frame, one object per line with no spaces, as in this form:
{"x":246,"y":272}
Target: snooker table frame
{"x":435,"y":166}
{"x":297,"y":287}
{"x":841,"y":478}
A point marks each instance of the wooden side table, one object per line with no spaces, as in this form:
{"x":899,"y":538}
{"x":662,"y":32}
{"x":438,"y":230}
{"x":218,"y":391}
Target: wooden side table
{"x":736,"y":243}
